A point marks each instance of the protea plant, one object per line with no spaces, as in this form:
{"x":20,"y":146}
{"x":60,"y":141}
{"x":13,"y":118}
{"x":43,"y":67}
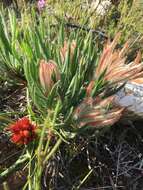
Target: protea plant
{"x":66,"y":87}
{"x":77,"y":83}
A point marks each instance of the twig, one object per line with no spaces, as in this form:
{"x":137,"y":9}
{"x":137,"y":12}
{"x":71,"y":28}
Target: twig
{"x":75,"y":26}
{"x":9,"y":157}
{"x":14,"y":167}
{"x":84,"y":179}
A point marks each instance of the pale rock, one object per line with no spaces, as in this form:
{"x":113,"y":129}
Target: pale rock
{"x":100,"y":6}
{"x":131,"y":97}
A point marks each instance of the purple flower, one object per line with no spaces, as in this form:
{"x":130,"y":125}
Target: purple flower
{"x":41,"y":4}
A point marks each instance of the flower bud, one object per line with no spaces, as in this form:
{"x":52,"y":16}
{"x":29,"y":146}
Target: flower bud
{"x":64,"y":50}
{"x":48,"y":74}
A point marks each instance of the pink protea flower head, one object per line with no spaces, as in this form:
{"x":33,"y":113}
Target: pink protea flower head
{"x":48,"y":74}
{"x":64,"y":50}
{"x":112,"y":61}
{"x":23,"y":131}
{"x":97,"y":112}
{"x":41,"y":4}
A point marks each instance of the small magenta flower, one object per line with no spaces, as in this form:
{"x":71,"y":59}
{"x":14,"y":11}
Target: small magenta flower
{"x":23,"y":131}
{"x":41,"y":4}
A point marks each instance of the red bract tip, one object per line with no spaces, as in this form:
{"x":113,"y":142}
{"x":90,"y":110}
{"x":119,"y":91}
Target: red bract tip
{"x":23,"y":131}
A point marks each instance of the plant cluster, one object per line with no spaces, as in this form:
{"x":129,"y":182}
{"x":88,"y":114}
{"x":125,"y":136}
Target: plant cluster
{"x":70,"y":86}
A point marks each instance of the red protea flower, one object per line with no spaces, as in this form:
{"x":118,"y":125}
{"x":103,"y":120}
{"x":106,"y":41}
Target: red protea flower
{"x":23,"y":131}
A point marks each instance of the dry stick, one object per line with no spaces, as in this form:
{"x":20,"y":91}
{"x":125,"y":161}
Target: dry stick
{"x":86,"y":29}
{"x":14,"y":167}
{"x":84,"y":179}
{"x":5,"y":186}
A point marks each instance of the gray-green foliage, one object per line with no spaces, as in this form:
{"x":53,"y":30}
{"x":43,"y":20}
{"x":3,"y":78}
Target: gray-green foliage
{"x":25,"y":41}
